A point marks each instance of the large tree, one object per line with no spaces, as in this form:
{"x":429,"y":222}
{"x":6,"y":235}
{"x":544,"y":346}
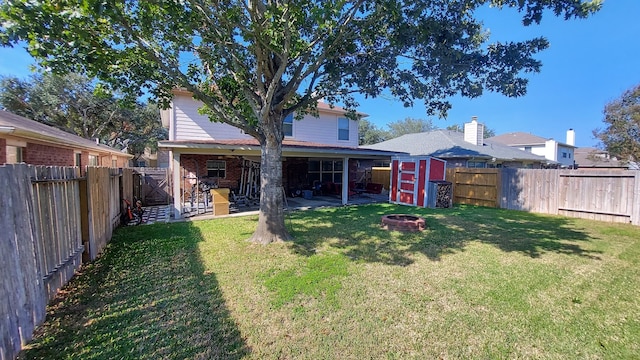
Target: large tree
{"x":409,"y":126}
{"x":252,"y":63}
{"x":369,"y":133}
{"x":460,"y":128}
{"x":621,"y":134}
{"x":76,"y":104}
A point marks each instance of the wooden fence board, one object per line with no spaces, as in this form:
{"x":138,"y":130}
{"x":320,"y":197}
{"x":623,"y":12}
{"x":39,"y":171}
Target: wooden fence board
{"x":42,"y":238}
{"x":603,"y":196}
{"x":474,"y":186}
{"x":635,"y":199}
{"x":21,"y":288}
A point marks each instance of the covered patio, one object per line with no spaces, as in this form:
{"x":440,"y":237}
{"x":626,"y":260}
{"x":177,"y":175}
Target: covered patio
{"x":313,"y":174}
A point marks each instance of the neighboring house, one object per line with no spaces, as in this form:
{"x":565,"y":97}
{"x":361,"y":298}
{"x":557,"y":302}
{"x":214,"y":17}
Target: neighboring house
{"x":319,"y":153}
{"x":26,"y":141}
{"x":562,"y":153}
{"x":592,"y":158}
{"x":149,"y":158}
{"x":467,"y":149}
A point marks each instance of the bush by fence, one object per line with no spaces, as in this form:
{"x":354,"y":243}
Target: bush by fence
{"x":52,"y":220}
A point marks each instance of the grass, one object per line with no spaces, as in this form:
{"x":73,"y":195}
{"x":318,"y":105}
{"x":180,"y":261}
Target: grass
{"x":478,"y":283}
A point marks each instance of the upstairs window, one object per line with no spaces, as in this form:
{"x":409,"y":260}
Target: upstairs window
{"x":216,"y":168}
{"x":287,"y":125}
{"x":343,"y":129}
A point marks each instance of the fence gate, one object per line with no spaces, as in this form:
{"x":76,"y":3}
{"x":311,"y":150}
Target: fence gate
{"x":154,"y":186}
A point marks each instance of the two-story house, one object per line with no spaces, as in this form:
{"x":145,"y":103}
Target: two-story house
{"x":562,"y":153}
{"x":319,"y":153}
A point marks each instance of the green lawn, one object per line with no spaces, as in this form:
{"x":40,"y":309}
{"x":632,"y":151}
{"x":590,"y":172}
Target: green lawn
{"x":478,"y":283}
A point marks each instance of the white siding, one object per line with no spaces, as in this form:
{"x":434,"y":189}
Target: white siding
{"x":324,"y":130}
{"x":566,"y":161}
{"x":189,"y":125}
{"x":192,"y":126}
{"x":539,"y":150}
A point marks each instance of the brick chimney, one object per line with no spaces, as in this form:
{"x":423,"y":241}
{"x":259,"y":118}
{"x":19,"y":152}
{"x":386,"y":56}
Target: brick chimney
{"x":474,"y":132}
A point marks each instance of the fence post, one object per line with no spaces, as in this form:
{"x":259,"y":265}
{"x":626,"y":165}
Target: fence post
{"x":635,"y":200}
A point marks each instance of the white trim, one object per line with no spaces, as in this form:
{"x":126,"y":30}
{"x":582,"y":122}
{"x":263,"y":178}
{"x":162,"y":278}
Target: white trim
{"x":345,"y":180}
{"x":175,"y":164}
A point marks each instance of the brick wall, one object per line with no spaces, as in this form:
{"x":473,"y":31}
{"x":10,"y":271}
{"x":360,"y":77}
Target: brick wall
{"x":197,"y":165}
{"x":37,"y":154}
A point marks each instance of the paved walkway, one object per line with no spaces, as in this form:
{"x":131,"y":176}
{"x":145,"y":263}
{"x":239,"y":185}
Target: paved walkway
{"x":154,"y":214}
{"x":162,"y":213}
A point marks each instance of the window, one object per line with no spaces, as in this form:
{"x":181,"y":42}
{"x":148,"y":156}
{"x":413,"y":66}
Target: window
{"x":325,"y":171}
{"x":93,"y":160}
{"x":287,"y":125}
{"x":343,"y":129}
{"x":476,"y":164}
{"x":15,"y":154}
{"x":564,"y":155}
{"x":527,"y":148}
{"x":78,"y":159}
{"x":216,"y":168}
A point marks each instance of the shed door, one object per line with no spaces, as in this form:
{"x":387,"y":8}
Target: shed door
{"x":407,"y":182}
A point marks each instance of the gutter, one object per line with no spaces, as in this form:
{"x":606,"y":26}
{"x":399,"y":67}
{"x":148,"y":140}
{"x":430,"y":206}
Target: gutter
{"x":285,"y":149}
{"x":7,"y":129}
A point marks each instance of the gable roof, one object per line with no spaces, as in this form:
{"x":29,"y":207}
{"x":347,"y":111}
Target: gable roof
{"x":26,"y":128}
{"x":519,"y":138}
{"x":451,"y":144}
{"x":595,"y":158}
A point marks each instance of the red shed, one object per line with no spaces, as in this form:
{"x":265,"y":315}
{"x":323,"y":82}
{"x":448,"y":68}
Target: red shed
{"x":410,"y":177}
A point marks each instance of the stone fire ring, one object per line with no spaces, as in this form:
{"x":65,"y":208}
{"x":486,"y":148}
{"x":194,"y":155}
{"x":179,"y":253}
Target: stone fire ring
{"x":403,"y":222}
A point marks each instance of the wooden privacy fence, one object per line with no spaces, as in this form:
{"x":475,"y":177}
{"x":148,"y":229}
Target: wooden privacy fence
{"x":478,"y":187}
{"x":52,"y":220}
{"x":152,"y":185}
{"x":605,"y":196}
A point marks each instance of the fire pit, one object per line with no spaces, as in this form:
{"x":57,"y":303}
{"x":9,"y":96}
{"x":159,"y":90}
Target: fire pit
{"x":402,"y":222}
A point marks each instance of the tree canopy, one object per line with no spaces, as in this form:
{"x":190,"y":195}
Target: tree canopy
{"x":76,"y":104}
{"x":409,"y":126}
{"x":621,"y":134}
{"x":488,"y":132}
{"x":369,"y":133}
{"x":252,"y":63}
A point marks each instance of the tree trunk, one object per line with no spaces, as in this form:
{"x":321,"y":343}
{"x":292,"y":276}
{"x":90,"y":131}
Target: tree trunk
{"x":271,"y":225}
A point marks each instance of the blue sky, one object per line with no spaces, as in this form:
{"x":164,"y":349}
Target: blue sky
{"x":588,"y":64}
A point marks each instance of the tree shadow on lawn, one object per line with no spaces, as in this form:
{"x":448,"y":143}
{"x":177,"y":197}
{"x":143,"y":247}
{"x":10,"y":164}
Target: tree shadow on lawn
{"x":357,"y":230}
{"x":144,"y":298}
